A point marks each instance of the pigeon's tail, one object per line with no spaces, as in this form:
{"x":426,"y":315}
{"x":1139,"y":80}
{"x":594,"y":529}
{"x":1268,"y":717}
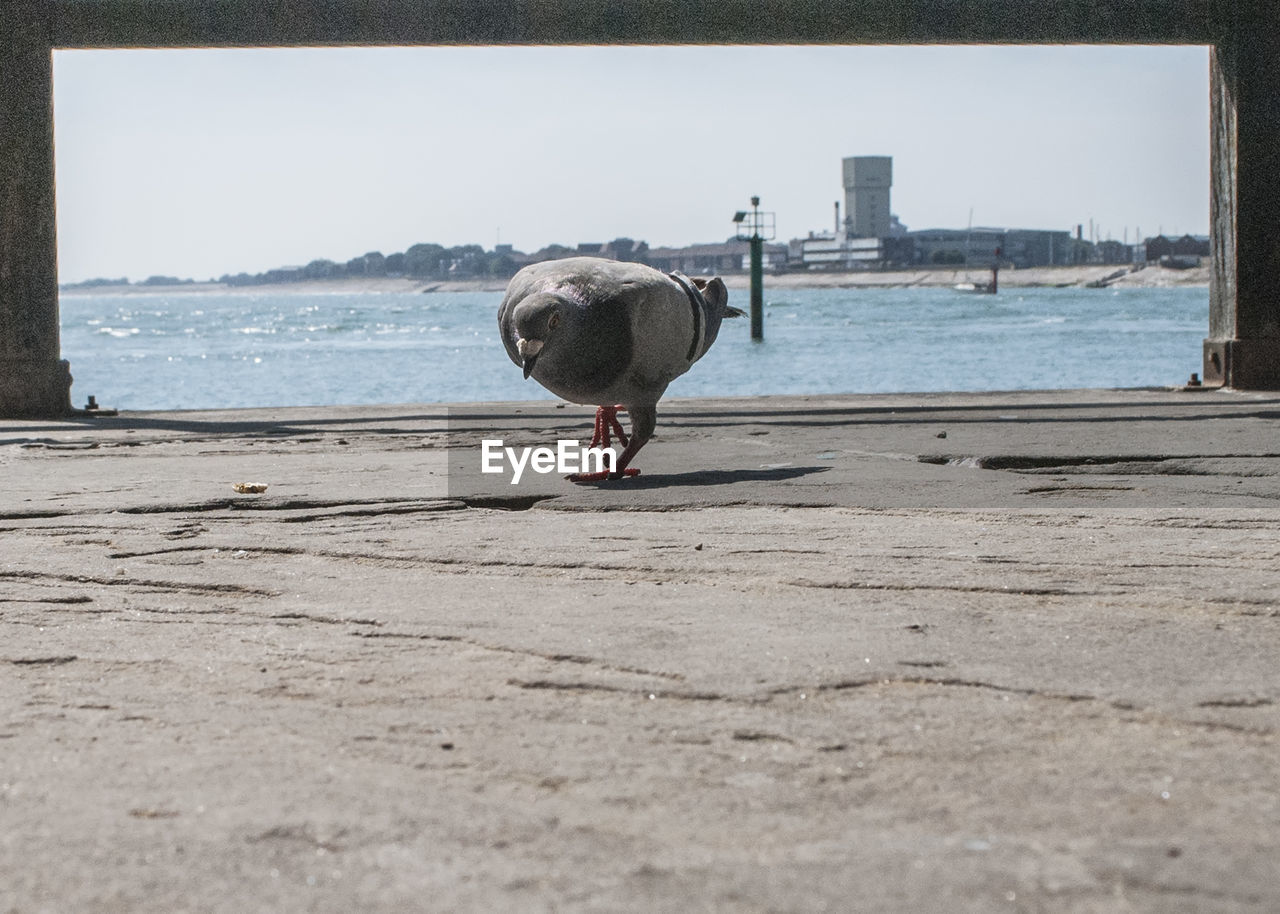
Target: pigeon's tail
{"x":730,"y":311}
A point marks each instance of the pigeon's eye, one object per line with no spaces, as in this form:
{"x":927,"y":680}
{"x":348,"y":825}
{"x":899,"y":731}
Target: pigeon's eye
{"x":552,"y":321}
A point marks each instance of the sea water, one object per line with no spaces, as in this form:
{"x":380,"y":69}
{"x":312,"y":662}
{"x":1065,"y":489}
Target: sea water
{"x":248,"y":349}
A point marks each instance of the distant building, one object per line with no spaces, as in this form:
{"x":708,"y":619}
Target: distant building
{"x":1038,"y":248}
{"x":624,"y":249}
{"x":837,"y":251}
{"x":869,"y":235}
{"x":867,"y":180}
{"x":983,"y":247}
{"x":1184,"y":251}
{"x":1112,"y":252}
{"x":978,"y":247}
{"x":708,"y":259}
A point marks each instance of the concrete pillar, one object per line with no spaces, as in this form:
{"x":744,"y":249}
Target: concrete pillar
{"x":1243,"y":346}
{"x":34,"y":381}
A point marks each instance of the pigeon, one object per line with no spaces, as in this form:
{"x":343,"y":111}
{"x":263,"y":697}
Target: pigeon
{"x":610,"y":334}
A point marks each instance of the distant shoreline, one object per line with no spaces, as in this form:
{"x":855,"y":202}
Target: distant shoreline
{"x":1035,"y":277}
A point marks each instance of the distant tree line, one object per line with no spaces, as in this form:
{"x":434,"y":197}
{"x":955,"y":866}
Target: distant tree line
{"x":124,"y":281}
{"x":435,"y":262}
{"x":95,"y":282}
{"x":421,"y":261}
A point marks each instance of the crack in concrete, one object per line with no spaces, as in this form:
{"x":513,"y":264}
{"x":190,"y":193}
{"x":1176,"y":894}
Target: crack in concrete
{"x":1029,"y":462}
{"x":458,"y":565}
{"x":367,"y":512}
{"x":868,"y":682}
{"x":142,"y":584}
{"x":652,"y":694}
{"x":579,"y":659}
{"x":505,"y":502}
{"x":953,"y":588}
{"x":322,"y":508}
{"x":173,"y":550}
{"x":326,"y":620}
{"x":1244,"y":701}
{"x":779,"y":691}
{"x":76,"y":599}
{"x":761,"y":736}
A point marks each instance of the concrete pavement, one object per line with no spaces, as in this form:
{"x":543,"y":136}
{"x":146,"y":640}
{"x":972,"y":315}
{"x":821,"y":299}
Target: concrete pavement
{"x":895,"y":653}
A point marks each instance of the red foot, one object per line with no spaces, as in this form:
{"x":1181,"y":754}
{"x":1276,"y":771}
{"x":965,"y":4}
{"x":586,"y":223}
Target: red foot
{"x":606,"y":421}
{"x":602,"y":475}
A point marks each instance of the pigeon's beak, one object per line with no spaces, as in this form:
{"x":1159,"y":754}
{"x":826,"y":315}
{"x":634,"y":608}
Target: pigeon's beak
{"x":528,"y":350}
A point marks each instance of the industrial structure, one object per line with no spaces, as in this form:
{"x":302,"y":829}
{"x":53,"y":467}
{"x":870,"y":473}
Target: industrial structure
{"x":867,"y":180}
{"x":870,"y":236}
{"x":986,"y":246}
{"x":859,"y":241}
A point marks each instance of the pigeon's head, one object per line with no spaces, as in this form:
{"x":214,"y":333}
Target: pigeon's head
{"x":540,"y":322}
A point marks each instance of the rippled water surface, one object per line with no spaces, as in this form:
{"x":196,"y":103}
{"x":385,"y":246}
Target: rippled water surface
{"x":207,"y":350}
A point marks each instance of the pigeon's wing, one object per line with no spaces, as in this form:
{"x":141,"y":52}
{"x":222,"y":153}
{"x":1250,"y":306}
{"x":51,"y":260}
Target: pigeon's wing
{"x":666,"y":332}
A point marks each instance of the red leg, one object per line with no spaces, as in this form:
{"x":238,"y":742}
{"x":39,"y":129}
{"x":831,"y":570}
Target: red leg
{"x":606,"y":422}
{"x":611,"y":417}
{"x":598,"y":431}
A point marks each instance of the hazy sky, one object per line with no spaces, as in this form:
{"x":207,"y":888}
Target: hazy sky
{"x":199,"y":163}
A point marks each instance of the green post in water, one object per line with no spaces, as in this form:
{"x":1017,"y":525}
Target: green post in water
{"x":757,"y":228}
{"x":757,"y":287}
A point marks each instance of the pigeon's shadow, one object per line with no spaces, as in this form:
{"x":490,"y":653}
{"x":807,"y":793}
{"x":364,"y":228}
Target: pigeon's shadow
{"x":705,"y":478}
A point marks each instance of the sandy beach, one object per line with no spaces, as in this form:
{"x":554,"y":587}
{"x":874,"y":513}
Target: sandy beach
{"x":1038,"y":277}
